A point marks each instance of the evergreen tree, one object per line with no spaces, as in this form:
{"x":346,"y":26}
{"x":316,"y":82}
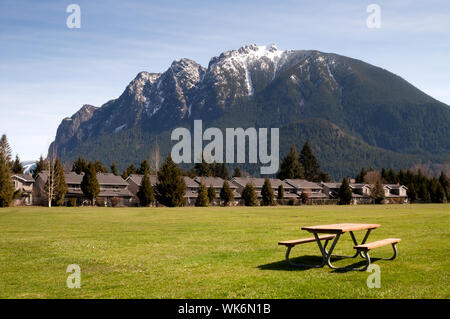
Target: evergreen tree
{"x":202,"y":196}
{"x":267,"y":193}
{"x":445,"y":183}
{"x":171,"y":188}
{"x":360,"y":177}
{"x":411,"y":179}
{"x":423,"y":192}
{"x":402,"y":177}
{"x":440,"y":196}
{"x":131,"y":169}
{"x":17,"y":167}
{"x":392,"y":177}
{"x":145,"y":193}
{"x":226,"y":194}
{"x":384,"y":175}
{"x":220,"y":170}
{"x":249,"y":195}
{"x":411,"y":192}
{"x":40,"y":166}
{"x":79,"y":165}
{"x":211,"y":194}
{"x":114,"y":169}
{"x":203,"y":168}
{"x":323,"y":177}
{"x":290,"y":166}
{"x":5,"y":150}
{"x":377,"y":192}
{"x":224,"y":171}
{"x":89,"y":184}
{"x":345,"y":193}
{"x":99,"y":167}
{"x":144,"y":168}
{"x":6,"y":183}
{"x":310,"y":164}
{"x":60,"y":186}
{"x":280,"y":195}
{"x":237,"y":172}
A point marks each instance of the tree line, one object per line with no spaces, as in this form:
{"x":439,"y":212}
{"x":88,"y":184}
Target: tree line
{"x":170,"y":188}
{"x":421,"y":188}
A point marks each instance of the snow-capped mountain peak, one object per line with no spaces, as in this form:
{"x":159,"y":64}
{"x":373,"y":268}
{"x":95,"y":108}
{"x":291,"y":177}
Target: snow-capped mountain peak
{"x":187,"y":72}
{"x":245,"y":63}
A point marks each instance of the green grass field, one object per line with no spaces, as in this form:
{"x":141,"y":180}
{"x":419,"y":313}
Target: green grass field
{"x":215,"y":252}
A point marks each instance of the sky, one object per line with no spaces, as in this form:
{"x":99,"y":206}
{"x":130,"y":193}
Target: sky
{"x":49,"y":71}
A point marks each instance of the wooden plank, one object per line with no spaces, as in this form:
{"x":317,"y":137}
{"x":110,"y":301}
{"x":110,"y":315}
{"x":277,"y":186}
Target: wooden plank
{"x":304,"y":240}
{"x":339,"y":228}
{"x":378,"y":243}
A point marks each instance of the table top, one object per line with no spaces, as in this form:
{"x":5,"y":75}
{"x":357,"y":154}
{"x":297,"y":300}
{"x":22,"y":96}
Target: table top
{"x":339,"y":228}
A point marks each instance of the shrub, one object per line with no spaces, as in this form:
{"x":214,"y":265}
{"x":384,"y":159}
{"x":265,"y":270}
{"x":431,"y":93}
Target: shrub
{"x":202,"y":196}
{"x":267,"y":193}
{"x":226,"y":194}
{"x":100,"y":202}
{"x":115,"y":202}
{"x":72,"y":202}
{"x":249,"y":195}
{"x":304,"y":197}
{"x":345,"y":193}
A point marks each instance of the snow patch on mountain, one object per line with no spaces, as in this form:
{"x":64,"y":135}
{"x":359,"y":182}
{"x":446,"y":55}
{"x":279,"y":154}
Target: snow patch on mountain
{"x":119,"y":128}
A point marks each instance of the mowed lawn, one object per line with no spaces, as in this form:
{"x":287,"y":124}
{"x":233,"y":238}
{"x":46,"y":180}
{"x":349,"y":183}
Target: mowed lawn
{"x":215,"y":252}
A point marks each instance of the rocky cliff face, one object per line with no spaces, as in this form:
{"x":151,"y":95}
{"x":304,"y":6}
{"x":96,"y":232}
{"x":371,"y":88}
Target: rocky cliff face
{"x":261,"y":85}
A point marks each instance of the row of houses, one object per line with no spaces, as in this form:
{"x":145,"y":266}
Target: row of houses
{"x":124,"y":192}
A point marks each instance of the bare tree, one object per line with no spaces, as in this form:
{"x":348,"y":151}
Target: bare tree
{"x":51,"y":180}
{"x":372,"y":177}
{"x":425,"y":168}
{"x":155,"y":158}
{"x":55,"y":186}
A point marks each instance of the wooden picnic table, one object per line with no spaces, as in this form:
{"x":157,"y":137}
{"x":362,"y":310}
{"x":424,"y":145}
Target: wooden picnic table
{"x":335,"y":231}
{"x":338,"y":230}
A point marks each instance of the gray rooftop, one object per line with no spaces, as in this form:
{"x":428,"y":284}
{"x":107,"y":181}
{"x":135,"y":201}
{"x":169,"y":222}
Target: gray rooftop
{"x":103,"y":178}
{"x":25,"y":177}
{"x":332,"y":185}
{"x":137,"y":179}
{"x":259,"y":182}
{"x":216,"y":182}
{"x":190,"y":182}
{"x":302,"y":184}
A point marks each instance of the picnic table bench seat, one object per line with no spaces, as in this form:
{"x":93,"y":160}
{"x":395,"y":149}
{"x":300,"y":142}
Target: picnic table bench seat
{"x":295,"y":242}
{"x":376,"y":244}
{"x":292,"y":243}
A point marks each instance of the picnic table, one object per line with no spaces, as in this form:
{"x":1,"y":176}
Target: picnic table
{"x":335,"y":231}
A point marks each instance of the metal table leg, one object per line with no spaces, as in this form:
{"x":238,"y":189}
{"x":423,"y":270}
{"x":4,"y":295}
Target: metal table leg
{"x":330,"y":252}
{"x":356,"y":243}
{"x":394,"y":248}
{"x":288,"y":251}
{"x":322,"y":250}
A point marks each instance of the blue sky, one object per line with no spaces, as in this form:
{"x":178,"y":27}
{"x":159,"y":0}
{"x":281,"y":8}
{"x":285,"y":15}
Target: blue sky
{"x":48,"y":71}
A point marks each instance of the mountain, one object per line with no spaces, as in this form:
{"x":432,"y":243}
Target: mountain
{"x":353,"y":113}
{"x":28,"y":166}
